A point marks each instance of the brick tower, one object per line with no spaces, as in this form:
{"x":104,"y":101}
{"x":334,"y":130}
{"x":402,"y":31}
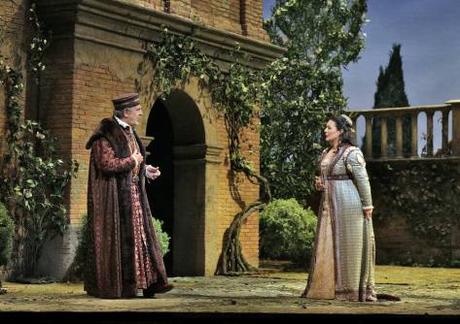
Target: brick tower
{"x":95,"y":52}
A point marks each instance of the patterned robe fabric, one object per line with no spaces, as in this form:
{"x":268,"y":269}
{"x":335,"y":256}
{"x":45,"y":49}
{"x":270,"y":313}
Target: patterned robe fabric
{"x":124,"y":254}
{"x":343,"y":259}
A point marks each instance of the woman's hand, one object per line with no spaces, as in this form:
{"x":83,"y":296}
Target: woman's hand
{"x":368,"y":213}
{"x":319,"y":185}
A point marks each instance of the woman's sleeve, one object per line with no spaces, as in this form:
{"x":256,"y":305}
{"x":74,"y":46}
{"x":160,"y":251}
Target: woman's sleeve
{"x":357,"y":166}
{"x":104,"y":157}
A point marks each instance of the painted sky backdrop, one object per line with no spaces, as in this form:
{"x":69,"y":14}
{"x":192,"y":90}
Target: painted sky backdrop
{"x":429,"y":34}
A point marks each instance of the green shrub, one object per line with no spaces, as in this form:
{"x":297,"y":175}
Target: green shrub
{"x":78,"y":267}
{"x":6,"y":235}
{"x":163,"y":237}
{"x":287,"y":231}
{"x":81,"y":255}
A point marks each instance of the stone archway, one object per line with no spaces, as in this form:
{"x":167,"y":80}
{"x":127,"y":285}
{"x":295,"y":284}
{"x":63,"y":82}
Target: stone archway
{"x":178,"y":197}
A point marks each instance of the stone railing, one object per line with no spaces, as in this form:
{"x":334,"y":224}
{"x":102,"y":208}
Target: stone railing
{"x":385,"y":115}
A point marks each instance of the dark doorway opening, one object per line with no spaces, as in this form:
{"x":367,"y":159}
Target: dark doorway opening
{"x":161,"y":191}
{"x":177,"y":197}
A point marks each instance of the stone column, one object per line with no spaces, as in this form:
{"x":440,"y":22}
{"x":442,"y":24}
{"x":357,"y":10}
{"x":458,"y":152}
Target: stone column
{"x":455,"y":126}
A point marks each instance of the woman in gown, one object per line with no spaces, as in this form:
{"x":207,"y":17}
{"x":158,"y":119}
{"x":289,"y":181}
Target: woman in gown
{"x":343,"y":260}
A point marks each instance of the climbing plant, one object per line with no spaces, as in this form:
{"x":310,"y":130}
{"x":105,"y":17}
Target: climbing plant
{"x":38,"y":44}
{"x":33,"y":176}
{"x":234,"y":92}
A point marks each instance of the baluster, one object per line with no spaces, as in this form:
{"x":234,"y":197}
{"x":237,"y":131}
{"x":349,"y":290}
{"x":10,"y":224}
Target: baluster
{"x":414,"y":135}
{"x":369,"y":152}
{"x":455,"y":106}
{"x":399,"y":137}
{"x":355,"y":126}
{"x":384,"y":137}
{"x":445,"y":131}
{"x":429,"y":133}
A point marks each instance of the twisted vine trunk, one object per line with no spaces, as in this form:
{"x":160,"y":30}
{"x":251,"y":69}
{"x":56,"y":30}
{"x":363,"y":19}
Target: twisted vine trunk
{"x":232,"y":259}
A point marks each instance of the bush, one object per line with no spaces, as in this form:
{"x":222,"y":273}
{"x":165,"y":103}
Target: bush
{"x":77,"y":269}
{"x":287,"y":231}
{"x":6,"y":235}
{"x":163,"y":237}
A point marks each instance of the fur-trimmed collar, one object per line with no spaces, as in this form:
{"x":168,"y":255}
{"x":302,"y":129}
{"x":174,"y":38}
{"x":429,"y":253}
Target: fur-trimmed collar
{"x":106,"y":126}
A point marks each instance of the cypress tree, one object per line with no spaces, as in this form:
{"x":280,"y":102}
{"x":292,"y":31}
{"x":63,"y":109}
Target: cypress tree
{"x":391,"y":93}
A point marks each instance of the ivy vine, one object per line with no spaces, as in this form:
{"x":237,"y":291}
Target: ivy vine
{"x":234,"y":93}
{"x":426,"y":194}
{"x":38,"y":44}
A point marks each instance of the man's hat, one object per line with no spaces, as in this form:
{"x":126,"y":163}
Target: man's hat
{"x":126,"y":100}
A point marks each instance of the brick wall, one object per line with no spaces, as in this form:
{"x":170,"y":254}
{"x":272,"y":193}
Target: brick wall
{"x":94,"y":86}
{"x":237,"y":16}
{"x":180,"y":7}
{"x":12,"y":19}
{"x":225,"y":15}
{"x":252,"y":12}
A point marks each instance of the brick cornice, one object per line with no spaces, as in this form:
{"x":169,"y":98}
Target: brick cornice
{"x":129,"y":27}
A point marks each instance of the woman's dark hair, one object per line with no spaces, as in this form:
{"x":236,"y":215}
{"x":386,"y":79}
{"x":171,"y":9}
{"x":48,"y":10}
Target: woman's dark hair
{"x":345,"y":124}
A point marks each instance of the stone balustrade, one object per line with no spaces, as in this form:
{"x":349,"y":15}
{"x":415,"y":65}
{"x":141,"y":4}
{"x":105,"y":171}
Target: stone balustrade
{"x":383,"y":116}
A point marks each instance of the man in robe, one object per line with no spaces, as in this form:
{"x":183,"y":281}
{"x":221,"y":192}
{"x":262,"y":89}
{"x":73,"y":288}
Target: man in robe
{"x":124,"y":256}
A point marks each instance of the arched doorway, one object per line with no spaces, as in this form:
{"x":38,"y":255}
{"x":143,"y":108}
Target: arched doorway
{"x":177,"y":196}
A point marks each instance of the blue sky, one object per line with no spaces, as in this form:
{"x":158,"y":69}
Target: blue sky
{"x":429,"y":34}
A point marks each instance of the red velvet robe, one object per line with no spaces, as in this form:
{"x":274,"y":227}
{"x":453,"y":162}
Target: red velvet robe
{"x":124,"y":253}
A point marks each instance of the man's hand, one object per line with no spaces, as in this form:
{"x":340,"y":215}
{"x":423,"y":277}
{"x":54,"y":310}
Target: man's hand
{"x":138,"y":157}
{"x":152,"y":172}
